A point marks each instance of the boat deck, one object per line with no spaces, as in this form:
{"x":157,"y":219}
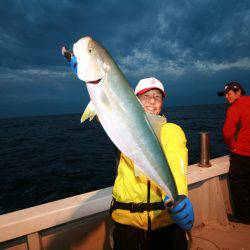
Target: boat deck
{"x":234,"y":236}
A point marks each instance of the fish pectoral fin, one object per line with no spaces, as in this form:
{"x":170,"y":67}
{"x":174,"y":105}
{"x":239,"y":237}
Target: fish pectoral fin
{"x":156,"y":122}
{"x":89,"y":113}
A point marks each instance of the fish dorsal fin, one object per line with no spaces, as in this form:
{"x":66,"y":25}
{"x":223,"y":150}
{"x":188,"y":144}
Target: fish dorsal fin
{"x":89,"y":113}
{"x":156,"y":122}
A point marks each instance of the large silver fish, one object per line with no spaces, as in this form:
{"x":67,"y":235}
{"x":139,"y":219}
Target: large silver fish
{"x":132,"y":130}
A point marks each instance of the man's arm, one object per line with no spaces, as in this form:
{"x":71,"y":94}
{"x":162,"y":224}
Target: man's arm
{"x":230,"y":125}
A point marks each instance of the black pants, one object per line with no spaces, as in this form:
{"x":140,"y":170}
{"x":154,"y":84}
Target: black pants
{"x":239,"y":179}
{"x":166,"y":238}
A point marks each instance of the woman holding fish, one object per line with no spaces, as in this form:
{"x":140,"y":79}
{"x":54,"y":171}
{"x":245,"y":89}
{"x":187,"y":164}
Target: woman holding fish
{"x":150,"y":207}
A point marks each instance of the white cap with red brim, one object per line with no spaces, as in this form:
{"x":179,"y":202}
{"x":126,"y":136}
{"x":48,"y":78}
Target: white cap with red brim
{"x":147,"y":84}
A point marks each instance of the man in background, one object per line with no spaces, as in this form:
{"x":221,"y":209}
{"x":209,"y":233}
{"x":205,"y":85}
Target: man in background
{"x":236,"y":133}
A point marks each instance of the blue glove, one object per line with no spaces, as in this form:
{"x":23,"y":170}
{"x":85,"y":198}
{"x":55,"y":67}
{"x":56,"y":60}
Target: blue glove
{"x":181,"y":211}
{"x":70,"y":58}
{"x":73,"y":64}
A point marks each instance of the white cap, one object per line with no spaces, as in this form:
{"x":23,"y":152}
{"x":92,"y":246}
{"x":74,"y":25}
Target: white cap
{"x":146,"y":84}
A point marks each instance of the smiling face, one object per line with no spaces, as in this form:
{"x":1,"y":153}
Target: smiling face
{"x":152,"y":101}
{"x":232,"y":96}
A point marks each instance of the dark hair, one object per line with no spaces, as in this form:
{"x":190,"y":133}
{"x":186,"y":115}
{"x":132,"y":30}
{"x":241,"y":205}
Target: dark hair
{"x":238,"y":89}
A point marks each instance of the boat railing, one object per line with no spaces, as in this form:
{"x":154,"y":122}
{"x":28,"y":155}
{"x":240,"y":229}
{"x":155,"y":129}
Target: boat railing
{"x":71,"y":222}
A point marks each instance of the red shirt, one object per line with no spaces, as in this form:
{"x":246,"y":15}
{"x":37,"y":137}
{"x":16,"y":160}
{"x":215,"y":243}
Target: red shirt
{"x":236,"y":130}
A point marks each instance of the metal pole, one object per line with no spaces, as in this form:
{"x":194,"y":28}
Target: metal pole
{"x":204,"y":150}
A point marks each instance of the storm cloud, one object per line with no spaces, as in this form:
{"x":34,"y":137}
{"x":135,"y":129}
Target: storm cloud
{"x":193,"y":47}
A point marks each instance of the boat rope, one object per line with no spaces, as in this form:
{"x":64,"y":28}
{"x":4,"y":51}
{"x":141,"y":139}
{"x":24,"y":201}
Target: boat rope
{"x":213,"y":243}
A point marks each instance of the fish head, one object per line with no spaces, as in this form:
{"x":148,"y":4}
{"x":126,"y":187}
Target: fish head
{"x":91,"y":56}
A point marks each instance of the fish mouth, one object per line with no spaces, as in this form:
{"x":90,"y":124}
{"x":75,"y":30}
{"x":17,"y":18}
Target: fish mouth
{"x":94,"y":82}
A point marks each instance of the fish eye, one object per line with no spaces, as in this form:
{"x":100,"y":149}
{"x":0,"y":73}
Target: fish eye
{"x":90,"y":49}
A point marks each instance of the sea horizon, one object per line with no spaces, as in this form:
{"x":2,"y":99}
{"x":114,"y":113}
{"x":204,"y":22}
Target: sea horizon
{"x":77,"y":113}
{"x":46,"y":158}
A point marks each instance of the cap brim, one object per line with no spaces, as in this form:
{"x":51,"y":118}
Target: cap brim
{"x":141,"y":92}
{"x":221,"y":93}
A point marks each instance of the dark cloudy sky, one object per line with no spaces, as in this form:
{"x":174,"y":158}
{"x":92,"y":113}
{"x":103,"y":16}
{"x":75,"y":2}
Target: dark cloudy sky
{"x":193,"y":47}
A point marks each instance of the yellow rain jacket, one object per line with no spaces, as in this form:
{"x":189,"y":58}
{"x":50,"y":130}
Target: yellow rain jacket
{"x":131,"y":188}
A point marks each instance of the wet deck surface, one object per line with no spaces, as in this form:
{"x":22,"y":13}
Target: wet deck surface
{"x":234,"y":236}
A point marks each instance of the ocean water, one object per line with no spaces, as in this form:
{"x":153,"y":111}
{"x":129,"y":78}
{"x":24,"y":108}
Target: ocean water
{"x":47,"y":158}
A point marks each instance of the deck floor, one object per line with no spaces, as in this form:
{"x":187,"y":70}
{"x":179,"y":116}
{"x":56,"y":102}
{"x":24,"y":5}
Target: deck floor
{"x":234,"y":236}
